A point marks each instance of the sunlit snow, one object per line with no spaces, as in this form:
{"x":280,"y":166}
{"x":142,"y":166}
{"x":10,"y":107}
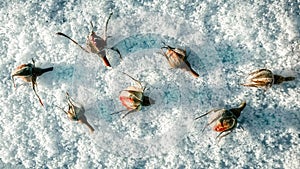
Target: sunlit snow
{"x":225,"y":41}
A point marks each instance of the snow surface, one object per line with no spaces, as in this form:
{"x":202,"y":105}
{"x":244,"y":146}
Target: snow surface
{"x":226,"y":41}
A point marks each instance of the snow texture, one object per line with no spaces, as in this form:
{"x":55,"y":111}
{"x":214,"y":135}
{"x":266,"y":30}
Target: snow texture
{"x":225,"y":41}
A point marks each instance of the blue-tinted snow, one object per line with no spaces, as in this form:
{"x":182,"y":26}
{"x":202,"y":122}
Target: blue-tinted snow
{"x":226,"y":40}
